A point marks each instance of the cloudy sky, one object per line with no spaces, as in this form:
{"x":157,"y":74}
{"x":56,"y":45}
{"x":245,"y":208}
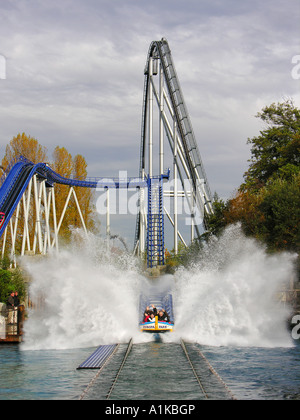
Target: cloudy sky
{"x":74,"y":75}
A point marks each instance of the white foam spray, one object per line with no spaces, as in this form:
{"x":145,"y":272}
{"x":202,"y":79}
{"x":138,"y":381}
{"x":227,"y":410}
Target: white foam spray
{"x":91,"y":297}
{"x":228,"y":297}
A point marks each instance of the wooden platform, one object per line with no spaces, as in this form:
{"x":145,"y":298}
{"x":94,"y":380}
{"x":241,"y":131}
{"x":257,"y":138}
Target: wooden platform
{"x":12,"y":339}
{"x":14,"y":332}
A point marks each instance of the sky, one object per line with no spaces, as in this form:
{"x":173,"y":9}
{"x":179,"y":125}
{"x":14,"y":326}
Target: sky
{"x":72,"y":74}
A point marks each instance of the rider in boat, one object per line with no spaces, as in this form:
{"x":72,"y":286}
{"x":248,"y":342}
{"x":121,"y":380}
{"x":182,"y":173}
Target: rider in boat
{"x":162,"y":315}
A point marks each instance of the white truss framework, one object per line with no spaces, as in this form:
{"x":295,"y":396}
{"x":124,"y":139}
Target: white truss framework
{"x":45,"y":234}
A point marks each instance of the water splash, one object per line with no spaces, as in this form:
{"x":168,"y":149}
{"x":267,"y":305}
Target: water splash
{"x":89,"y":297}
{"x":228,"y":297}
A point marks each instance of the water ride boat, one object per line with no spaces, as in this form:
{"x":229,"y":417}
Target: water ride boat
{"x":157,"y":300}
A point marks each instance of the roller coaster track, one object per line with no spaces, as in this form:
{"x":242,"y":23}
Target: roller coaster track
{"x":18,"y":174}
{"x":211,"y":385}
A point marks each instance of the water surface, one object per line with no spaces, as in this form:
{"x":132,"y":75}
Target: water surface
{"x":249,"y":372}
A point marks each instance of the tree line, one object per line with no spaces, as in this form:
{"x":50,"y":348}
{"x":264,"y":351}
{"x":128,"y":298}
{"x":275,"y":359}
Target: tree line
{"x":267,"y":203}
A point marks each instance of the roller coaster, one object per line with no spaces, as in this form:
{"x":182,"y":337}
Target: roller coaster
{"x":161,"y":85}
{"x":174,"y":143}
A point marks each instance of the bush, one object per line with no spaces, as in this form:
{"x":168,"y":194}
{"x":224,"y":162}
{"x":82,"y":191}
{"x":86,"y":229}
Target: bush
{"x":11,"y":280}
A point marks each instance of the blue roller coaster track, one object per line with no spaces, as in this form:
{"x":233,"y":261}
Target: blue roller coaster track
{"x":15,"y":180}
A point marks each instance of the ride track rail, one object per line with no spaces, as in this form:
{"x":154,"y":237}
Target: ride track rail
{"x":120,"y":369}
{"x":207,"y":382}
{"x":211,"y":369}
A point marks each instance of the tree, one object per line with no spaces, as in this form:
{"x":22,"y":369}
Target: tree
{"x":11,"y":280}
{"x":276,"y":151}
{"x":84,"y":195}
{"x":24,"y":145}
{"x":63,"y":165}
{"x":216,"y":221}
{"x":280,"y":207}
{"x":268,"y":203}
{"x":244,"y":208}
{"x":68,"y":167}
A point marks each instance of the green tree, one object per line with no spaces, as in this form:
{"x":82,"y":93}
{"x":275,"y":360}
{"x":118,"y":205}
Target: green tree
{"x":276,"y":151}
{"x":216,"y":221}
{"x":173,"y":260}
{"x":11,"y":280}
{"x":268,"y":203}
{"x":280,"y":207}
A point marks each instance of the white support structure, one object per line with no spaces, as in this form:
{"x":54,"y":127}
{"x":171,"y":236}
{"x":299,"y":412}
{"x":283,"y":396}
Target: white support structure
{"x":55,"y":228}
{"x":41,"y":230}
{"x":107,"y":219}
{"x":175,"y":173}
{"x":150,"y":125}
{"x":26,"y":206}
{"x":161,"y":122}
{"x":143,"y":222}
